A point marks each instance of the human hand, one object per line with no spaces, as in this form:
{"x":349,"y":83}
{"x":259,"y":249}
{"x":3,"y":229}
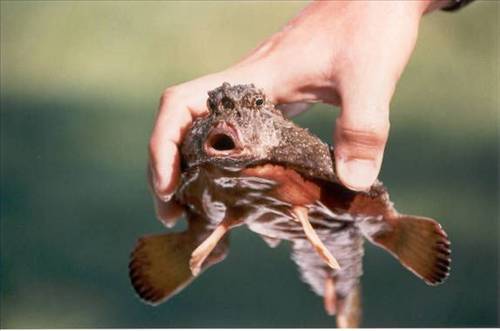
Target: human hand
{"x":349,"y":54}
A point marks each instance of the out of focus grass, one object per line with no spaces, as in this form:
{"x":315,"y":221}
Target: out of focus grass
{"x":80,"y":82}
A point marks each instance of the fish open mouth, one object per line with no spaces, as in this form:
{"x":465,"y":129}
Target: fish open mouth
{"x":222,"y":140}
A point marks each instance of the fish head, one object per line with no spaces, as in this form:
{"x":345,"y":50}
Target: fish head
{"x":243,"y":128}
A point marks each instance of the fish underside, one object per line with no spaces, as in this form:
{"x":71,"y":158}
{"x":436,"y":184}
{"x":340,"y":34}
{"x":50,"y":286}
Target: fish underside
{"x":272,"y":218}
{"x":217,"y":200}
{"x":244,"y":163}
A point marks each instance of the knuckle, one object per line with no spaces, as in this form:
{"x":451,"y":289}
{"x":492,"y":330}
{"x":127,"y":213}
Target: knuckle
{"x":168,"y":94}
{"x":371,"y":136}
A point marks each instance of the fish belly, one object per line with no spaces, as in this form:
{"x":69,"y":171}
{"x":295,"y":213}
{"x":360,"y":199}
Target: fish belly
{"x":342,"y":237}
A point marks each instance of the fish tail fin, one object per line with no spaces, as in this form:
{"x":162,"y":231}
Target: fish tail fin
{"x":349,"y":309}
{"x":419,"y":243}
{"x":159,"y":264}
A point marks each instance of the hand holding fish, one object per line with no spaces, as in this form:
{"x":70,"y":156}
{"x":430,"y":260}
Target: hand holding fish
{"x":234,"y":159}
{"x":349,"y":54}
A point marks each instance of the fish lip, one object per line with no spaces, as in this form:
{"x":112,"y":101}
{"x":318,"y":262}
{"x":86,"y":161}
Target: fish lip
{"x":227,"y":129}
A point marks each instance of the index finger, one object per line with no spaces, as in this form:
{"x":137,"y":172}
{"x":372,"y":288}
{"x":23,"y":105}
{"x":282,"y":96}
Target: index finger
{"x":174,"y":118}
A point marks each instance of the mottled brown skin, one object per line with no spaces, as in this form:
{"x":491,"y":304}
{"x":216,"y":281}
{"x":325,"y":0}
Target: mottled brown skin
{"x":264,"y":135}
{"x":245,"y":163}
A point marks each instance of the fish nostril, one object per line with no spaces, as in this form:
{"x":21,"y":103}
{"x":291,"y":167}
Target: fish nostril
{"x":222,"y":142}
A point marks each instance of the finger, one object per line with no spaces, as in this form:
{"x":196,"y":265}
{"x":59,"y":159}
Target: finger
{"x":165,"y":164}
{"x":171,"y":124}
{"x":168,"y":212}
{"x":360,"y":136}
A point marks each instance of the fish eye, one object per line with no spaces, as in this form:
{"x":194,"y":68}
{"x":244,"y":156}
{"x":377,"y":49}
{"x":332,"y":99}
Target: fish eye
{"x":259,"y":102}
{"x":227,"y":103}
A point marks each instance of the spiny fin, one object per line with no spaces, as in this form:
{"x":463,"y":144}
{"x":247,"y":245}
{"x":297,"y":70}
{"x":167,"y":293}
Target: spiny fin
{"x":302,"y":215}
{"x":349,"y":309}
{"x":203,"y":251}
{"x":159,"y":265}
{"x":419,"y":243}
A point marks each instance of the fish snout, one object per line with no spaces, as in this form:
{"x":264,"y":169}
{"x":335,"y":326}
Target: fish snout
{"x":222,"y":140}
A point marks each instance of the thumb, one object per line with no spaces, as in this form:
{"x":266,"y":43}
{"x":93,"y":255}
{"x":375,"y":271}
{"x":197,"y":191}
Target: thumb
{"x":360,"y":136}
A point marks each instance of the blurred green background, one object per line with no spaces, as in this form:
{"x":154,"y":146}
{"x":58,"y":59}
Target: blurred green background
{"x":80,"y":83}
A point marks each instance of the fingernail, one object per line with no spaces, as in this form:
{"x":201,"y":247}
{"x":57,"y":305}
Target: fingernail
{"x":168,"y":212}
{"x":160,"y":187}
{"x":356,"y":174}
{"x":165,"y":197}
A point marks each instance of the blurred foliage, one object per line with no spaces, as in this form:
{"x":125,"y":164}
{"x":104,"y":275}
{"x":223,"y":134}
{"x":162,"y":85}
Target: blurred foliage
{"x":80,"y":83}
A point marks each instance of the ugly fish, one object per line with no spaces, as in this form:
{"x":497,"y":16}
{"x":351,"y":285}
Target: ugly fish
{"x":244,"y":163}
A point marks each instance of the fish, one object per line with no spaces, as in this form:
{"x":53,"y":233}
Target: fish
{"x":245,"y":163}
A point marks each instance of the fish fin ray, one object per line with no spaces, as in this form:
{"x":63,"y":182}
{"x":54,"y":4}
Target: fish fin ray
{"x":159,"y":264}
{"x":419,"y":243}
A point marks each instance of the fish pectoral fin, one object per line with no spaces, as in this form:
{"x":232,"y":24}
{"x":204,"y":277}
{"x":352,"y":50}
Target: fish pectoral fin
{"x":302,"y":215}
{"x":159,"y":266}
{"x":419,"y":243}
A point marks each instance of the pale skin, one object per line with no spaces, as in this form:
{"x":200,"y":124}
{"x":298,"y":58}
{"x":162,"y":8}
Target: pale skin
{"x":344,"y":53}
